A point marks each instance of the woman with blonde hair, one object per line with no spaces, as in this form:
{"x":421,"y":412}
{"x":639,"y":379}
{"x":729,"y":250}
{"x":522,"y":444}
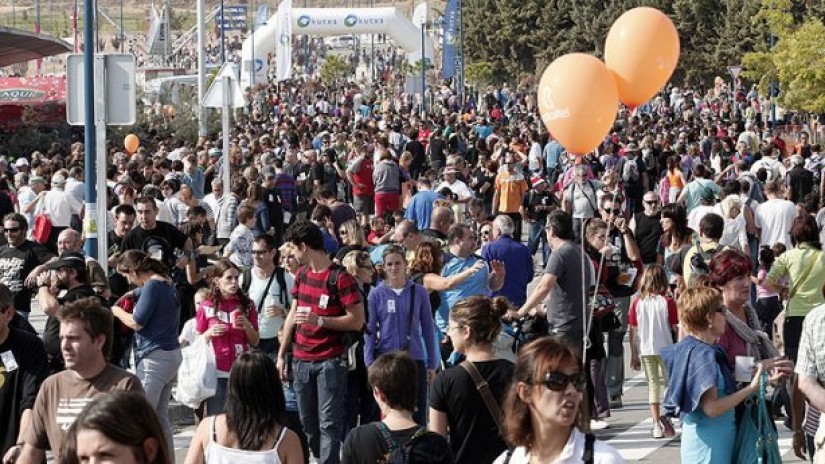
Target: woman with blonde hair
{"x":545,"y":415}
{"x":352,"y":239}
{"x":701,"y":389}
{"x":734,"y":235}
{"x":652,"y":320}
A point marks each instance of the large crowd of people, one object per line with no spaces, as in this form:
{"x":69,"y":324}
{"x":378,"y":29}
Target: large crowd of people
{"x":449,"y":284}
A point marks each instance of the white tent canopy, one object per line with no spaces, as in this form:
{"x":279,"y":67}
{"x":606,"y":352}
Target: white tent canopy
{"x":327,"y":22}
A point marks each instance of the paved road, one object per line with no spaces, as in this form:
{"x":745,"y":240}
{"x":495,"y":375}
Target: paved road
{"x":629,"y":431}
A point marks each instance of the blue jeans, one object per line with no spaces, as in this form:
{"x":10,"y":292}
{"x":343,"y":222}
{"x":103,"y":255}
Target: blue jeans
{"x":216,"y":404}
{"x":538,"y":236}
{"x":157,"y":372}
{"x":321,"y":388}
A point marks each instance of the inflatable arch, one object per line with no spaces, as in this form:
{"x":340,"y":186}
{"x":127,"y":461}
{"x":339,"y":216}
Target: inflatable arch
{"x":332,"y":21}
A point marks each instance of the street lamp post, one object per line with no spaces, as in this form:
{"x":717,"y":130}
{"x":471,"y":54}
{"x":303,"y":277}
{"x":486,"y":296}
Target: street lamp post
{"x":423,"y":71}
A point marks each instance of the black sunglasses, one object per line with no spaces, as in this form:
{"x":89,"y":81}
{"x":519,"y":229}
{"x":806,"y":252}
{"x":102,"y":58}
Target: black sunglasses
{"x":614,"y":210}
{"x":14,"y":229}
{"x":651,"y":202}
{"x":558,"y":381}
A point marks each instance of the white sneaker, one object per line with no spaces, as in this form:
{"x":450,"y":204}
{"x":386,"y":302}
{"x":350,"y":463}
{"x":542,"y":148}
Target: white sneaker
{"x":658,"y":432}
{"x":596,"y":424}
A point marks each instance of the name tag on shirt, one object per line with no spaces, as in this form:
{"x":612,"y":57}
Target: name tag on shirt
{"x":391,"y":306}
{"x":9,"y":361}
{"x":323,"y":302}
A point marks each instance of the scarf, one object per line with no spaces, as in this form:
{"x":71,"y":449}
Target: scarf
{"x":758,"y":343}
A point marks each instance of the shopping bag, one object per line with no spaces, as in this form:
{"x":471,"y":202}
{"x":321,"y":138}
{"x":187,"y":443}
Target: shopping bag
{"x":197,"y":374}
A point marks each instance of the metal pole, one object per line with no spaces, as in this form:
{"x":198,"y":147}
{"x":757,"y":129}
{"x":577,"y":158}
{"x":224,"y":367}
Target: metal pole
{"x":97,"y":223}
{"x":462,"y":90}
{"x":167,"y":31}
{"x":121,"y":26}
{"x":423,"y":72}
{"x":201,"y":71}
{"x":773,"y":105}
{"x":223,"y":42}
{"x":252,"y":38}
{"x":74,"y":26}
{"x":372,"y":53}
{"x":89,"y":152}
{"x":225,"y":120}
{"x":37,"y":30}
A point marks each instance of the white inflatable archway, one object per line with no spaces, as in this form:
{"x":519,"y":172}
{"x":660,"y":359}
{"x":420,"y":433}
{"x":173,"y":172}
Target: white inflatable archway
{"x":332,"y":21}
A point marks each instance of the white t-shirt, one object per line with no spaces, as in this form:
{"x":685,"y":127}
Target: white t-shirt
{"x":774,"y":218}
{"x":571,"y":454}
{"x":268,"y":326}
{"x":696,"y":214}
{"x":653,"y":321}
{"x":60,"y":206}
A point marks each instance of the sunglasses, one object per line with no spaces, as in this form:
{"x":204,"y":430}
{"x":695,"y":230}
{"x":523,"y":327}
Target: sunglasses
{"x":651,"y":202}
{"x":613,"y":211}
{"x":13,"y":229}
{"x":558,"y":381}
{"x":342,"y":232}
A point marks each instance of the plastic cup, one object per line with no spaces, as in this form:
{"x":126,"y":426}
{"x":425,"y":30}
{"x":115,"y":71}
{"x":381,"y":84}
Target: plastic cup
{"x":743,"y":369}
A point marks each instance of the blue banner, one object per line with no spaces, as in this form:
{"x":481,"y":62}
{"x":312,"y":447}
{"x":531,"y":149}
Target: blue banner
{"x":448,"y":42}
{"x":234,"y":18}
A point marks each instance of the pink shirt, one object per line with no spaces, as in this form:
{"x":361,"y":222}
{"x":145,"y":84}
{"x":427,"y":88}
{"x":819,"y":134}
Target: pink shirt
{"x":233,"y":342}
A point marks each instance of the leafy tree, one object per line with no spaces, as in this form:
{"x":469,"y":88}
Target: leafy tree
{"x":797,"y":60}
{"x":480,"y":73}
{"x":335,"y":69}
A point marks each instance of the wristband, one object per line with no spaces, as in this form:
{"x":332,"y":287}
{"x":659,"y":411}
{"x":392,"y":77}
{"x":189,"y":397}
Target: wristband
{"x":320,"y":322}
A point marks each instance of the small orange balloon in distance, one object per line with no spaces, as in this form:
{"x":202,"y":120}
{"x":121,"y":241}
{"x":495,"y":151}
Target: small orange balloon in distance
{"x":131,"y":143}
{"x":641,"y":51}
{"x":577,"y":100}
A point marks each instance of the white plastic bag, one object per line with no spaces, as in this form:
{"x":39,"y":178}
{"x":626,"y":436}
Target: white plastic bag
{"x":197,"y":374}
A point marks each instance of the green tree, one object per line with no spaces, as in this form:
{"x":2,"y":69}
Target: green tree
{"x":796,"y":62}
{"x":480,"y":73}
{"x":335,"y":69}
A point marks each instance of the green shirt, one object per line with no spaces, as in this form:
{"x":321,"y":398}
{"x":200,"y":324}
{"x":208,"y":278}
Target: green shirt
{"x":807,"y":294}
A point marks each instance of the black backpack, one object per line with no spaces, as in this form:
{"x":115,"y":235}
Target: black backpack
{"x":402,"y":453}
{"x":350,"y":338}
{"x":280,"y":276}
{"x":700,"y":263}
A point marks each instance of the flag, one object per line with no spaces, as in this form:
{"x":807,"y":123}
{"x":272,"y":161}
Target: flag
{"x":261,"y":16}
{"x":419,"y":16}
{"x":283,"y":31}
{"x":158,"y":32}
{"x":448,"y":41}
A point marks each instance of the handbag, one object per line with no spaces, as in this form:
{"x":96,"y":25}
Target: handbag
{"x":756,"y":436}
{"x":603,"y":303}
{"x":42,"y":228}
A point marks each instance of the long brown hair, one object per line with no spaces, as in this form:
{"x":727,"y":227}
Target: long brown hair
{"x":534,"y":361}
{"x":427,"y":258}
{"x":139,"y":261}
{"x":221,"y":267}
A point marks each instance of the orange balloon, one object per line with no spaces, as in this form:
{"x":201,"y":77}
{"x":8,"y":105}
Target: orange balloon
{"x":641,"y":51}
{"x":578,"y":101}
{"x":131,"y":143}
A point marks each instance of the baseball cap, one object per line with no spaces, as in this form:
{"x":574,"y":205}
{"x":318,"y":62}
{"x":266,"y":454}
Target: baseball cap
{"x":535,"y":181}
{"x":21,"y":162}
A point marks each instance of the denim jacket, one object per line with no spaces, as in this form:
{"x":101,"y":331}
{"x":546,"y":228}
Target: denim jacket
{"x":691,"y":366}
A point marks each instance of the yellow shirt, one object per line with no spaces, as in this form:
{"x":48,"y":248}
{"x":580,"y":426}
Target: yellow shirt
{"x":795,"y":263}
{"x":511,"y":190}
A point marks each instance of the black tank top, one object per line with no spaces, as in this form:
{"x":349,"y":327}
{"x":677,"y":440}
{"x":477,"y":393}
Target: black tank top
{"x":648,"y":232}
